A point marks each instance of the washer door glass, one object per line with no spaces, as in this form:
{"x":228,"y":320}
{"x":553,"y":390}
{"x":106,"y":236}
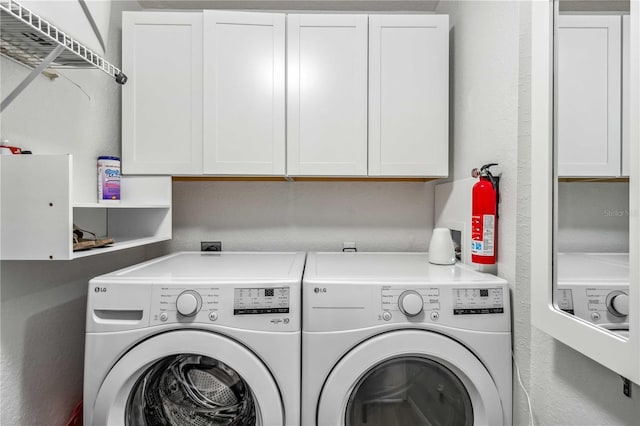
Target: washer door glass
{"x":409,"y":391}
{"x":190,"y":390}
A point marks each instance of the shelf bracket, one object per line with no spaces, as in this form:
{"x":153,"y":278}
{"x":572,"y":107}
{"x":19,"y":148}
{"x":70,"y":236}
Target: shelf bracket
{"x":34,"y":73}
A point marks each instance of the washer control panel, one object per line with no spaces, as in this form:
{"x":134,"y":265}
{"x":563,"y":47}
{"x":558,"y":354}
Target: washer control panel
{"x":252,"y":301}
{"x":474,"y":301}
{"x":246,"y":307}
{"x":394,"y":298}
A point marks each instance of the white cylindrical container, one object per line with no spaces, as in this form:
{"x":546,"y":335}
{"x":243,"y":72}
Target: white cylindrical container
{"x":441,"y":248}
{"x":108,"y":179}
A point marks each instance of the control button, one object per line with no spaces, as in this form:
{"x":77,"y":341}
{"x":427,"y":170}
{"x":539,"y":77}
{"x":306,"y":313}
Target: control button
{"x":410,"y":303}
{"x":595,"y":316}
{"x":188,"y":303}
{"x":618,"y":303}
{"x":435,"y":316}
{"x":164,"y":316}
{"x":213,"y":316}
{"x":386,"y":315}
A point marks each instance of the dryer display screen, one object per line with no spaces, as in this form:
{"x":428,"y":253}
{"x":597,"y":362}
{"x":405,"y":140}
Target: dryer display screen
{"x":252,"y":301}
{"x":468,"y":301}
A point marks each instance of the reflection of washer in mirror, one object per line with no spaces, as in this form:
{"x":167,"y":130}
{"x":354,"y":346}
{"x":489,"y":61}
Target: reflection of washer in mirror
{"x":618,"y":303}
{"x":595,"y":288}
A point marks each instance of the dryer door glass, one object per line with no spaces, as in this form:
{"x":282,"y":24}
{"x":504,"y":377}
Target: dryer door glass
{"x":190,"y":390}
{"x":409,"y":391}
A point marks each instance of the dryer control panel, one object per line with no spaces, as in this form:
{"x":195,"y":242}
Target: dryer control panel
{"x":342,"y":306}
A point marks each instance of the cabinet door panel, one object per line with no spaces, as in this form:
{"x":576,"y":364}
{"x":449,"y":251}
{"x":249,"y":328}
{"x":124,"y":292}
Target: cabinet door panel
{"x":244,"y":93}
{"x":327,"y":95}
{"x":588,"y":91}
{"x":408,"y":95}
{"x":162,"y":101}
{"x":626,"y":92}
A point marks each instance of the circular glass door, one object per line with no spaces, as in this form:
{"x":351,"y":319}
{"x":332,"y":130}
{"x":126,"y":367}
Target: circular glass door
{"x":188,"y":378}
{"x":189,"y":389}
{"x":409,"y":391}
{"x":410,"y":377}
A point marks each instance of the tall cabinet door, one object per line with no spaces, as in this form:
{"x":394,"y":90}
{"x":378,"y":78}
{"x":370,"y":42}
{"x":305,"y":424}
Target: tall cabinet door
{"x":162,"y":101}
{"x":626,"y":92}
{"x":589,"y":73}
{"x":408,"y":95}
{"x":327,"y":95}
{"x":244,"y":86}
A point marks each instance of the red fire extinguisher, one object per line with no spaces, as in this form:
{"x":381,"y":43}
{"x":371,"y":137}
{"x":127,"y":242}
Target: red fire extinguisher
{"x":484,"y":216}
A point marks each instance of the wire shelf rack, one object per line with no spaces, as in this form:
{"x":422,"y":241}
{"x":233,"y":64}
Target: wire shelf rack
{"x":29,"y":39}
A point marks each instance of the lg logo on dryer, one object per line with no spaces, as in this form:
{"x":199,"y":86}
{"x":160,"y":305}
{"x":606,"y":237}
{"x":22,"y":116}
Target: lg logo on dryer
{"x":319,"y":290}
{"x":100,"y":289}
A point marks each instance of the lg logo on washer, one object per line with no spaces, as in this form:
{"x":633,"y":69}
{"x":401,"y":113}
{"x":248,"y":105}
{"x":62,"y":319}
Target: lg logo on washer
{"x":100,"y":289}
{"x":318,"y":290}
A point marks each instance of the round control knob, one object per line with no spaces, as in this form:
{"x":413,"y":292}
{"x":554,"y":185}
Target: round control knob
{"x":386,"y":315}
{"x":410,"y":303}
{"x":164,"y":316}
{"x":188,"y":303}
{"x":618,"y":303}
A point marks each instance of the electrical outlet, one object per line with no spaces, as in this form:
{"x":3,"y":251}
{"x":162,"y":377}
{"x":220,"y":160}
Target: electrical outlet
{"x":349,"y":246}
{"x":210,"y":245}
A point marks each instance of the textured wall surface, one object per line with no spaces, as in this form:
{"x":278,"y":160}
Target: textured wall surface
{"x":43,"y":303}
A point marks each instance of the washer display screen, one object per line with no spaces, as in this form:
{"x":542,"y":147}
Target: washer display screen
{"x":468,"y":301}
{"x":251,"y":301}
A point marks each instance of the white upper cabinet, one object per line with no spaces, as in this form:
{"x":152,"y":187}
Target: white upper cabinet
{"x":408,"y":95}
{"x":363,"y":95}
{"x":327,"y":95}
{"x":589,"y":95}
{"x":162,"y":101}
{"x":626,"y":66}
{"x":244,"y":93}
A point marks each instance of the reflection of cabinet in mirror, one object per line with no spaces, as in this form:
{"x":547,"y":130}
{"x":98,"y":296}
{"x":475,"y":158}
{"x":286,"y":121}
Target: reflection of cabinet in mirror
{"x":590,"y":90}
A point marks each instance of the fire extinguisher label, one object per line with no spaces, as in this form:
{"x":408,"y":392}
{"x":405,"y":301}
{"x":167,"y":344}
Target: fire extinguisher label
{"x":483,"y":235}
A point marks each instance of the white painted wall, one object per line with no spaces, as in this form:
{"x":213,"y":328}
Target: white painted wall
{"x":377,"y":216}
{"x":43,"y":303}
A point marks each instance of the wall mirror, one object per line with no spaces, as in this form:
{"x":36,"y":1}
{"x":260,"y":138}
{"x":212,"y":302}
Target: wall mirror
{"x":591,"y":162}
{"x":585,"y":89}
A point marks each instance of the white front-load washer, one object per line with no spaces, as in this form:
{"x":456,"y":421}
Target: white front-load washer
{"x":390,"y":339}
{"x":195,"y":339}
{"x":595,"y":288}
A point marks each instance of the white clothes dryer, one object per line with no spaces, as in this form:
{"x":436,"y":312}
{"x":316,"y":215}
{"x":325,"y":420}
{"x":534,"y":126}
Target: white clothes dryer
{"x":595,"y":287}
{"x":390,"y":339}
{"x":195,"y":339}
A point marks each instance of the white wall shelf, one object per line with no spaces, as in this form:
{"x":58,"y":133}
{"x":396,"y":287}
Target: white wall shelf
{"x":38,"y":211}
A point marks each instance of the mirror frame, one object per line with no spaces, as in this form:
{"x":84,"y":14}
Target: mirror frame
{"x":614,"y":352}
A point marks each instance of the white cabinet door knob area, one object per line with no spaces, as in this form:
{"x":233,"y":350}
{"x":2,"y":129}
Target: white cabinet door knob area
{"x":162,"y":101}
{"x":589,"y":90}
{"x":408,"y":95}
{"x":327,"y":95}
{"x":244,"y":86}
